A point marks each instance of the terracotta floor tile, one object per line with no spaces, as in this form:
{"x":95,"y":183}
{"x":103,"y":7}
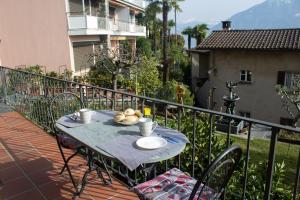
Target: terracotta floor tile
{"x":6,"y":162}
{"x":53,"y":190}
{"x":15,"y":187}
{"x":44,"y":176}
{"x":30,"y":195}
{"x":36,"y":165}
{"x":10,"y":173}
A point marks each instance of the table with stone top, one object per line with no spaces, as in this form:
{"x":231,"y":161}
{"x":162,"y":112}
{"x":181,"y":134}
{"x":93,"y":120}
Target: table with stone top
{"x":115,"y":141}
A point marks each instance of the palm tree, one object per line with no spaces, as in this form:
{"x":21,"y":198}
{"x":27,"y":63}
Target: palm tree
{"x":166,"y":70}
{"x":189,"y":32}
{"x":174,"y":4}
{"x":171,"y":24}
{"x":199,"y":32}
{"x":151,"y":22}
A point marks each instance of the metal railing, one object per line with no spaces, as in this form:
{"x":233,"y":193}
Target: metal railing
{"x":27,"y":93}
{"x":77,"y":21}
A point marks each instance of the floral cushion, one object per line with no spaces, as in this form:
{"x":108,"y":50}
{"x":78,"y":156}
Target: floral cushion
{"x":68,"y":142}
{"x":173,"y":185}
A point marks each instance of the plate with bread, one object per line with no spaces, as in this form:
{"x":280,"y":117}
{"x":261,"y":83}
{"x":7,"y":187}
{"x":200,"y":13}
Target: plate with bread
{"x":128,"y":117}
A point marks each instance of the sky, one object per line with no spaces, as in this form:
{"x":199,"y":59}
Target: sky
{"x":211,"y":11}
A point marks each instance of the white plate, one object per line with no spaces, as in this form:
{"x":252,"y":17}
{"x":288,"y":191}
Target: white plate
{"x":128,"y":124}
{"x":151,"y":142}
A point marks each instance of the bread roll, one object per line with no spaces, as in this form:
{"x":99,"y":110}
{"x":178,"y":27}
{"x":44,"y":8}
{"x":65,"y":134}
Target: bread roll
{"x":119,"y":117}
{"x":138,"y":113}
{"x":130,"y":119}
{"x":129,"y":111}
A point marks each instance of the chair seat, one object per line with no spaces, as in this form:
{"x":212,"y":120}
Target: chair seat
{"x":68,"y":142}
{"x":173,"y":185}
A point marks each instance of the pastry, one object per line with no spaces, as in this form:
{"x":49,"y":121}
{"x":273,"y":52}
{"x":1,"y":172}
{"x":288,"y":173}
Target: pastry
{"x":129,"y":111}
{"x":119,"y":117}
{"x":138,"y":113}
{"x":130,"y":119}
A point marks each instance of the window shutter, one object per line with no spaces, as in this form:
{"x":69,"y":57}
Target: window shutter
{"x":280,"y":78}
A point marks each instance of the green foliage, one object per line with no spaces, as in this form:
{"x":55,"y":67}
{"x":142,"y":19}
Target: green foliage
{"x":144,"y":46}
{"x":202,"y":131}
{"x":52,"y":74}
{"x":100,"y":77}
{"x":179,"y":62}
{"x":168,"y":93}
{"x":256,"y":182}
{"x":199,"y":32}
{"x":148,"y":76}
{"x":37,"y":69}
{"x":290,"y":97}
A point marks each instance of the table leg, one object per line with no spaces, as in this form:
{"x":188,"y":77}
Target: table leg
{"x":99,"y":172}
{"x":89,"y":170}
{"x":94,"y":165}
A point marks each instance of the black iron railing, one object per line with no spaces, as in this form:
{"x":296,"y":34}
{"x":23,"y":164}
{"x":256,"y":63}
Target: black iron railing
{"x":29,"y":93}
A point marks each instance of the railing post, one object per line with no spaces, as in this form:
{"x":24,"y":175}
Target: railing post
{"x":247,"y":161}
{"x":271,"y":162}
{"x":81,"y":94}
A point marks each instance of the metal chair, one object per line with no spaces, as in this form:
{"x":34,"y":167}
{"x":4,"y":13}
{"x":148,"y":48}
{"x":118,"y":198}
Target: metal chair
{"x":63,"y":104}
{"x":174,"y":184}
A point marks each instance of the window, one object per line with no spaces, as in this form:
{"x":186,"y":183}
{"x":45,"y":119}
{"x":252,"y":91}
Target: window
{"x":246,"y":76}
{"x":132,"y":18}
{"x":245,"y":114}
{"x":82,"y":52}
{"x":112,"y":12}
{"x":287,"y":78}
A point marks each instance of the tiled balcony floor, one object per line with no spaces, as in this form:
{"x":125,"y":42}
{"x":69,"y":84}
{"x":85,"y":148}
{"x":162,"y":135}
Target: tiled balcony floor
{"x":30,"y":162}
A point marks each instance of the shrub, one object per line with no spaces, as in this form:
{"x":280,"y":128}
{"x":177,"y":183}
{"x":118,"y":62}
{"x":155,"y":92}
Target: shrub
{"x":168,"y":93}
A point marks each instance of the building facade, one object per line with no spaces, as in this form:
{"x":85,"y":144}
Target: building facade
{"x":257,"y":59}
{"x":61,"y":34}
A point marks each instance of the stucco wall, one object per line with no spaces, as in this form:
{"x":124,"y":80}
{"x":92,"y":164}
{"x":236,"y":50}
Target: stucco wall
{"x":34,"y":32}
{"x":260,"y":97}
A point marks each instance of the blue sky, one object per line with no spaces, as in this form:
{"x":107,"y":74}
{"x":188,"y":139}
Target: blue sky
{"x":212,"y":11}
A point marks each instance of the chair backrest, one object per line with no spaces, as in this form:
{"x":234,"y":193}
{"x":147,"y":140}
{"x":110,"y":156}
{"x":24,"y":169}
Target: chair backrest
{"x":218,"y":173}
{"x":63,"y":104}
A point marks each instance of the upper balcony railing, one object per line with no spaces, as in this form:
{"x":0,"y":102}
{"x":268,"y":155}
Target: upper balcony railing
{"x":139,"y":3}
{"x":31,"y":93}
{"x":87,"y":22}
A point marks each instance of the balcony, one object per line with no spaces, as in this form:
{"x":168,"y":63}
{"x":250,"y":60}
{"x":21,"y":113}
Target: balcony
{"x":138,"y":3}
{"x":24,"y":145}
{"x":92,"y":25}
{"x":30,"y":163}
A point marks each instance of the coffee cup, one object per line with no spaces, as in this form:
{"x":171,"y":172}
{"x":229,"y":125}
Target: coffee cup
{"x":147,"y":126}
{"x":85,"y":115}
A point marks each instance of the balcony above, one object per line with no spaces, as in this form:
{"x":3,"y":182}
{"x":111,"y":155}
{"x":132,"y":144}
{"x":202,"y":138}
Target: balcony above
{"x":92,"y":25}
{"x":136,"y":3}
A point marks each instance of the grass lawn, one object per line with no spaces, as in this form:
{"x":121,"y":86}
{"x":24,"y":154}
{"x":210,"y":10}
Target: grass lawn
{"x":259,"y":151}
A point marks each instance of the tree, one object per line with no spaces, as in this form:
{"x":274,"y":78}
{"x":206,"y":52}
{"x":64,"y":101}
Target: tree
{"x":151,"y":21}
{"x":189,"y":32}
{"x":171,"y":24}
{"x":113,"y":61}
{"x":143,"y":45}
{"x":147,"y":75}
{"x":174,"y":4}
{"x":165,"y":41}
{"x":199,"y":32}
{"x":290,"y":97}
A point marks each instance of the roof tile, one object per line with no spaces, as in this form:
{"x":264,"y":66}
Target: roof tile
{"x":264,"y":39}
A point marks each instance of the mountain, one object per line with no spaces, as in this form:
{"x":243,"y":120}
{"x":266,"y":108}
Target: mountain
{"x":267,"y":15}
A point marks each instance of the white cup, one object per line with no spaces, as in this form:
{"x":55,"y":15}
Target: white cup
{"x":85,"y":116}
{"x":147,"y":126}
